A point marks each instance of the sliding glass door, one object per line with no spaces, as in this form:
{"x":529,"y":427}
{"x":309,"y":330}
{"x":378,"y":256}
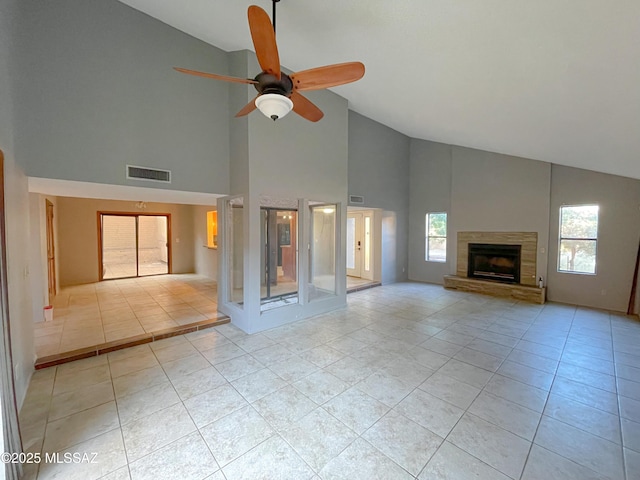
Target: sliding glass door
{"x":133,"y":245}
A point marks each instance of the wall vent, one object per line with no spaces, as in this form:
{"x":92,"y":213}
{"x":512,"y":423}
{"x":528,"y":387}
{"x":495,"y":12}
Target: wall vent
{"x":356,"y":199}
{"x":150,"y":174}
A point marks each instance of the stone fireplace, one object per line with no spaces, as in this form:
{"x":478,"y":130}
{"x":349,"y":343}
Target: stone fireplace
{"x":526,"y":241}
{"x":499,"y":264}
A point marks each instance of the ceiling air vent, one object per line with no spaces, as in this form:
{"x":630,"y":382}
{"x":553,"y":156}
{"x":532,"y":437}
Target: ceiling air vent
{"x":151,"y":174}
{"x":356,"y":199}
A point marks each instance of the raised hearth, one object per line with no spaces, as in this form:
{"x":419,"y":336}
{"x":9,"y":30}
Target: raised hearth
{"x":496,"y":289}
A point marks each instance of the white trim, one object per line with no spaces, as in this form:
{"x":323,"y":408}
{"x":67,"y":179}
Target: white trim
{"x":72,"y":188}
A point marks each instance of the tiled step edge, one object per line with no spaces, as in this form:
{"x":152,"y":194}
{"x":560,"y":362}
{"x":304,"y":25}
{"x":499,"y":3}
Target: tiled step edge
{"x":102,"y":348}
{"x":366,"y":286}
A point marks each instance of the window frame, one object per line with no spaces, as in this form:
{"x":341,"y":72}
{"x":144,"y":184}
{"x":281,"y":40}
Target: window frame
{"x":584,"y":239}
{"x":428,"y":236}
{"x":212,"y":229}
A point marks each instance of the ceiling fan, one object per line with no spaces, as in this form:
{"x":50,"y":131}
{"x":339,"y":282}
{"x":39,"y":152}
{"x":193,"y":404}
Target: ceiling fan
{"x":278,"y":92}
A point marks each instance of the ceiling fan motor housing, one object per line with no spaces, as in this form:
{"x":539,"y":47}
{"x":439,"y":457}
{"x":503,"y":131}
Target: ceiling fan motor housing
{"x":268,"y":83}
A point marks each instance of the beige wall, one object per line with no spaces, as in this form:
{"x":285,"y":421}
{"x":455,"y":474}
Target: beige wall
{"x":78,"y":236}
{"x":17,"y":234}
{"x":38,"y":268}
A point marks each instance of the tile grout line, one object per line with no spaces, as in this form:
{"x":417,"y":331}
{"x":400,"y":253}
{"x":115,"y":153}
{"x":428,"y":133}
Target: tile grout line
{"x":615,"y":372}
{"x":459,"y":322}
{"x":533,"y":438}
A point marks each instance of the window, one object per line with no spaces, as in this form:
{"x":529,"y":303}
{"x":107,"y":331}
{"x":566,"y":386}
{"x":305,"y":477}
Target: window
{"x":436,"y":237}
{"x":578,"y":239}
{"x":212,"y":229}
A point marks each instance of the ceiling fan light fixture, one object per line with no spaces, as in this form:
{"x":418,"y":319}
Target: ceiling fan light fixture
{"x":274,"y":105}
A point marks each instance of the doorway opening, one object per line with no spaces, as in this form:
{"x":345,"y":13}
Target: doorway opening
{"x":279,"y":257}
{"x":363,"y":248}
{"x":134,"y":245}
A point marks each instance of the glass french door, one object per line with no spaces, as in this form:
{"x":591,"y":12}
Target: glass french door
{"x":322,"y":251}
{"x":279,"y":256}
{"x":134,"y":245}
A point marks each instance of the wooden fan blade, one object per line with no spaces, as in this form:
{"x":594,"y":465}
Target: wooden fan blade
{"x":264,"y":40}
{"x":328,"y":76}
{"x":216,"y":76}
{"x":248,"y":108}
{"x":305,"y":108}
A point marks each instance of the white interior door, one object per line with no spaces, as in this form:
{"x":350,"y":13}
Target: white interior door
{"x":354,"y":244}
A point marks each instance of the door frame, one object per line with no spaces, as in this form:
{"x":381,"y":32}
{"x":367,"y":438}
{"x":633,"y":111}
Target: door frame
{"x":51,"y":251}
{"x":358,"y":239}
{"x":134,"y":214}
{"x":268,"y":264}
{"x":376,"y":238}
{"x":12,"y":441}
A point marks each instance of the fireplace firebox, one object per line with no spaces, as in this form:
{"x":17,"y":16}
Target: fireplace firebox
{"x":500,"y":263}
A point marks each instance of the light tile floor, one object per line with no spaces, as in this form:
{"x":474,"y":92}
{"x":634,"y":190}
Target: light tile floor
{"x":353,"y":282}
{"x":409,"y":381}
{"x":87,"y":315}
{"x":124,"y":270}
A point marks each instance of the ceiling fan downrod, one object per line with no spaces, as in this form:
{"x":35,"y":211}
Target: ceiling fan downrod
{"x":273,"y":16}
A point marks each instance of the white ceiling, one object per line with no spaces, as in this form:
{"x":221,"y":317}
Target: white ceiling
{"x":557,"y":81}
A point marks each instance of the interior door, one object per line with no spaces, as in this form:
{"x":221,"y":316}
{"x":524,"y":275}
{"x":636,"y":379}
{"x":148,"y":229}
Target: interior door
{"x":354,"y":244}
{"x":51,"y":253}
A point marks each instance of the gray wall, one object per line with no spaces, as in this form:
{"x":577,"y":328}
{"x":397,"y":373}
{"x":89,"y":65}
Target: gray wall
{"x":379,"y":171}
{"x":285,"y":160}
{"x":98,"y":92}
{"x":294,"y":158}
{"x":16,"y":210}
{"x":239,"y":96}
{"x":291,"y":158}
{"x":499,"y":193}
{"x":484,"y":191}
{"x":481,"y":191}
{"x":618,"y":234}
{"x":430,"y":191}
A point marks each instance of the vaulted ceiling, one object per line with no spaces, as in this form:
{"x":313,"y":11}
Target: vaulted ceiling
{"x":557,"y":81}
